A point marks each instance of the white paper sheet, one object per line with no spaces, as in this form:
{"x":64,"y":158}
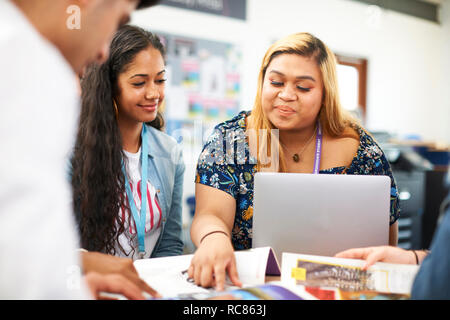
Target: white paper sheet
{"x":168,"y":275}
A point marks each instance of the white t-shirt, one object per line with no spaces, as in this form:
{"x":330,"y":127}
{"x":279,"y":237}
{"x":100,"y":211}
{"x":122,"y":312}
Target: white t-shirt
{"x":39,"y":107}
{"x":128,"y":240}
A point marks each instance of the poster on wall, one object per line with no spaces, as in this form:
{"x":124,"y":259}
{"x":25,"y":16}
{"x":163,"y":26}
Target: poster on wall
{"x":203,"y":81}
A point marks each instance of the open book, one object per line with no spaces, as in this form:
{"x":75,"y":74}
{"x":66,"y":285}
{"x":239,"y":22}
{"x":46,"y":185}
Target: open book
{"x":302,"y":277}
{"x":335,"y":278}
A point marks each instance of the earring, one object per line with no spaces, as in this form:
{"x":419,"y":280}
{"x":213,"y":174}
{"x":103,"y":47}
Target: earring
{"x":115,"y":108}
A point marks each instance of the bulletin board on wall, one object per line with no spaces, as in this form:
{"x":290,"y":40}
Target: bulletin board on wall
{"x":203,"y":81}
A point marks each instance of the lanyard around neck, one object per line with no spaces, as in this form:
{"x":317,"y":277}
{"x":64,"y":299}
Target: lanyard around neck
{"x":318,"y":149}
{"x":139,"y":218}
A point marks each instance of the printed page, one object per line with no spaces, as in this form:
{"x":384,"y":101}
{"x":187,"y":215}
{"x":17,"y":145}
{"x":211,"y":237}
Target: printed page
{"x":395,"y":278}
{"x":169,"y":277}
{"x":346,"y":274}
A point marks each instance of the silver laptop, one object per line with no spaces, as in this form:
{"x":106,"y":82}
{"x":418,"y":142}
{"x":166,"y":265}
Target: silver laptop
{"x":320,"y":214}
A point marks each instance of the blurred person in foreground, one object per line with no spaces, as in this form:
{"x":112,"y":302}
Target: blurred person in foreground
{"x":44,"y":44}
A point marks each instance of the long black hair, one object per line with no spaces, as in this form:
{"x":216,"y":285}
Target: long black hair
{"x":98,"y":183}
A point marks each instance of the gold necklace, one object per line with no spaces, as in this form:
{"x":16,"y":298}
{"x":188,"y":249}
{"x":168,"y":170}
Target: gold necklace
{"x":296,"y":156}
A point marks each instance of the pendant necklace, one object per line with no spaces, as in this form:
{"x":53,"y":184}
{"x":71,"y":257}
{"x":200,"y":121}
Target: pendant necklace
{"x":296,"y":156}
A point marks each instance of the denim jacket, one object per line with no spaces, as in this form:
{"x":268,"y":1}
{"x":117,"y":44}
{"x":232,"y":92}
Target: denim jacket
{"x":166,"y":173}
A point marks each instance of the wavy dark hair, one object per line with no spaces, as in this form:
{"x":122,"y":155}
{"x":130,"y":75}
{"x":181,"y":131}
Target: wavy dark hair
{"x":98,"y":183}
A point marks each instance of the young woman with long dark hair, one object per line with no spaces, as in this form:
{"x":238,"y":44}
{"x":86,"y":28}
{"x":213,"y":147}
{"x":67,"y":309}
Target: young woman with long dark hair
{"x":119,"y":144}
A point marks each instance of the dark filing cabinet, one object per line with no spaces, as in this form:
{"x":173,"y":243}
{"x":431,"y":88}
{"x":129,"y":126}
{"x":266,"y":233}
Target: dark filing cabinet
{"x":410,"y":172}
{"x":411,"y":190}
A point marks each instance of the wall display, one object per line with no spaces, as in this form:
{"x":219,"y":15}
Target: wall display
{"x":203,"y":82}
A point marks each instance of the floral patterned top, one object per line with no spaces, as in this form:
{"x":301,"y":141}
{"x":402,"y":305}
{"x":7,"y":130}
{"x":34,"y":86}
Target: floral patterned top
{"x":225,"y":163}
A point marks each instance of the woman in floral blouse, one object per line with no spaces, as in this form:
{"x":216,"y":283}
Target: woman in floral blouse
{"x":297,"y":104}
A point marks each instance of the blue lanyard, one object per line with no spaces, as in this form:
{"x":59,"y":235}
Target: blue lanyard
{"x":139,"y":219}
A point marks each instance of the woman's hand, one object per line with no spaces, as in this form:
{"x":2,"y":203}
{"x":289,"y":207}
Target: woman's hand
{"x":106,"y":264}
{"x":379,"y":254}
{"x":212,"y":261}
{"x":210,"y":232}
